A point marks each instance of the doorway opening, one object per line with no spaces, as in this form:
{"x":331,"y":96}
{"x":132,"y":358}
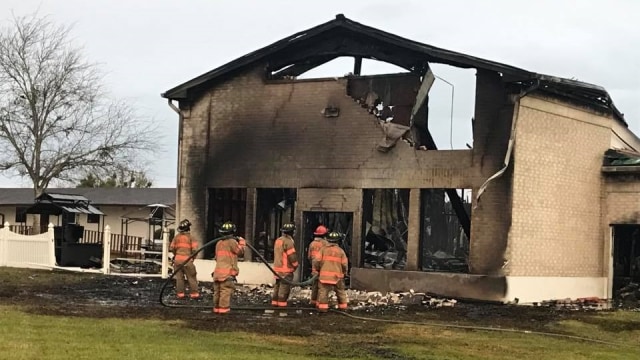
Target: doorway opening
{"x":341,"y":222}
{"x":626,"y":255}
{"x":274,"y":207}
{"x":225,"y":204}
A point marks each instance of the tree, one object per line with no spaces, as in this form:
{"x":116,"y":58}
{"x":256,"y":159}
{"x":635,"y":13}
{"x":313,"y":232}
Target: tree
{"x":122,"y":178}
{"x":56,"y":121}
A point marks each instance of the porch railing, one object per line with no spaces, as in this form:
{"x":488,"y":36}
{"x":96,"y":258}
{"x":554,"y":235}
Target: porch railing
{"x":120,"y":244}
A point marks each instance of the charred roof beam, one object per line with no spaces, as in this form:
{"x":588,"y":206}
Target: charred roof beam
{"x":336,"y":47}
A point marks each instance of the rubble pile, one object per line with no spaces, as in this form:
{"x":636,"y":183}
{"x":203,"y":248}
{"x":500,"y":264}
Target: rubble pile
{"x":629,"y":296}
{"x":358,"y":300}
{"x":590,"y":303}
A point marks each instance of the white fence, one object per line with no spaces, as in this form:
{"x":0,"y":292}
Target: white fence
{"x":38,"y":251}
{"x":27,"y":251}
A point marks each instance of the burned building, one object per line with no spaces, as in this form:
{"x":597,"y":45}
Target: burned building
{"x":525,"y":212}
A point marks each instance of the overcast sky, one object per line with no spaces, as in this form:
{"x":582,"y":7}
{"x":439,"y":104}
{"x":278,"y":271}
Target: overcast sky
{"x":147,"y":47}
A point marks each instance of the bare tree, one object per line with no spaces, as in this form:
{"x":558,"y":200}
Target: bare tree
{"x":56,"y":122}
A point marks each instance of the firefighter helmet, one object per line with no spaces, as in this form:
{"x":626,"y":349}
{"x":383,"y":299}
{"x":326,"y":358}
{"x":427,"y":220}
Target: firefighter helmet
{"x":288,"y":228}
{"x":334,"y":237}
{"x":228,"y":228}
{"x":321,"y":231}
{"x":185,"y":225}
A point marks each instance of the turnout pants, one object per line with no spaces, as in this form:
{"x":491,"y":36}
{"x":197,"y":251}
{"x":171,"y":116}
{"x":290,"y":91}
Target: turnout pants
{"x":323,"y":295}
{"x":188,"y":271}
{"x":222,"y":291}
{"x":314,"y":292}
{"x":281,"y":291}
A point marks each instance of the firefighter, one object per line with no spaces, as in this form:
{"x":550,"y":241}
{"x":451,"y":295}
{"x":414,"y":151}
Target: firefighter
{"x":285,"y":262}
{"x":227,"y":251}
{"x":332,"y":265}
{"x":319,"y":241}
{"x":183,"y":246}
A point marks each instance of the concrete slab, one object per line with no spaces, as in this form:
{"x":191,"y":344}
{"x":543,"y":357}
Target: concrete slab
{"x":251,"y":273}
{"x":480,"y":287}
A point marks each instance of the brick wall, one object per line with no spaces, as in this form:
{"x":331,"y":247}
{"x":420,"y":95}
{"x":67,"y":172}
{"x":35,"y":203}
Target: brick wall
{"x":622,"y":199}
{"x":557,"y":187}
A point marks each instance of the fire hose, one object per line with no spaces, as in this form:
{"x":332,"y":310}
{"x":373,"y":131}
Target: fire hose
{"x":363,"y":318}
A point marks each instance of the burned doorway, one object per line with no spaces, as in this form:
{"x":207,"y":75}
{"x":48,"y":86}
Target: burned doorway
{"x":385,"y":216}
{"x":444,"y":245}
{"x":341,"y":222}
{"x":626,"y":255}
{"x":274,"y":207}
{"x":225,"y":204}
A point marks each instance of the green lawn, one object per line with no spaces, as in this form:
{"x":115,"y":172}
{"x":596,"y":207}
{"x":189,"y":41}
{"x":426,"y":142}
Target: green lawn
{"x":24,"y":335}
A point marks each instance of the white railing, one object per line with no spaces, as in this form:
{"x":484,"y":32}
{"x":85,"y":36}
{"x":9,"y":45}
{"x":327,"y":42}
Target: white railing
{"x":27,"y":251}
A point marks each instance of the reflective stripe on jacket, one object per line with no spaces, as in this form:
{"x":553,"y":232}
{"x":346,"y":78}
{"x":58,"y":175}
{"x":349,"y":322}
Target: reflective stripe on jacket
{"x":285,"y":259}
{"x":182,"y":247}
{"x":314,"y":251}
{"x":332,"y":263}
{"x":227,"y":252}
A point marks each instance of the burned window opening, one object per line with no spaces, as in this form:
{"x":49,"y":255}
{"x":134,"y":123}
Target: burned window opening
{"x":225,"y":204}
{"x":341,"y":222}
{"x":448,"y":110}
{"x":274,"y":207}
{"x":444,"y":245}
{"x":385,"y":214}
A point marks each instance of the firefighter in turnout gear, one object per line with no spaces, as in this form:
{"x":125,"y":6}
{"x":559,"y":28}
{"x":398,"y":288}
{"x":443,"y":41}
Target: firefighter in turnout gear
{"x":183,"y":246}
{"x":332,"y":265}
{"x":227,"y":251}
{"x":285,"y":262}
{"x":315,"y":246}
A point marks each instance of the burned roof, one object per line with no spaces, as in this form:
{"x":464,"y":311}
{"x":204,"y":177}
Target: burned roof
{"x":307,"y":49}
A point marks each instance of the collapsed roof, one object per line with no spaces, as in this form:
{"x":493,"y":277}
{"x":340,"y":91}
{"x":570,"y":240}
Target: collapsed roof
{"x":305,"y":50}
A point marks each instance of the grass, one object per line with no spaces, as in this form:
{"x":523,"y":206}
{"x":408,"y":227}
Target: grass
{"x":27,"y":336}
{"x":28,"y":332}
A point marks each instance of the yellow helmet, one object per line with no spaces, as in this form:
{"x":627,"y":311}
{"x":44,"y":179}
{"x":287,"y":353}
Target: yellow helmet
{"x":228,"y":228}
{"x":288,"y":228}
{"x":334,"y":237}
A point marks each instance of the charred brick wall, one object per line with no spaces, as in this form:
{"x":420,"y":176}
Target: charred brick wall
{"x":557,"y":190}
{"x":273,"y":134}
{"x":491,"y":216}
{"x":192,"y":191}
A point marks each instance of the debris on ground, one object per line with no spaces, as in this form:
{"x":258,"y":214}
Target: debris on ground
{"x":589,"y":303}
{"x":629,"y":297}
{"x":358,"y":300}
